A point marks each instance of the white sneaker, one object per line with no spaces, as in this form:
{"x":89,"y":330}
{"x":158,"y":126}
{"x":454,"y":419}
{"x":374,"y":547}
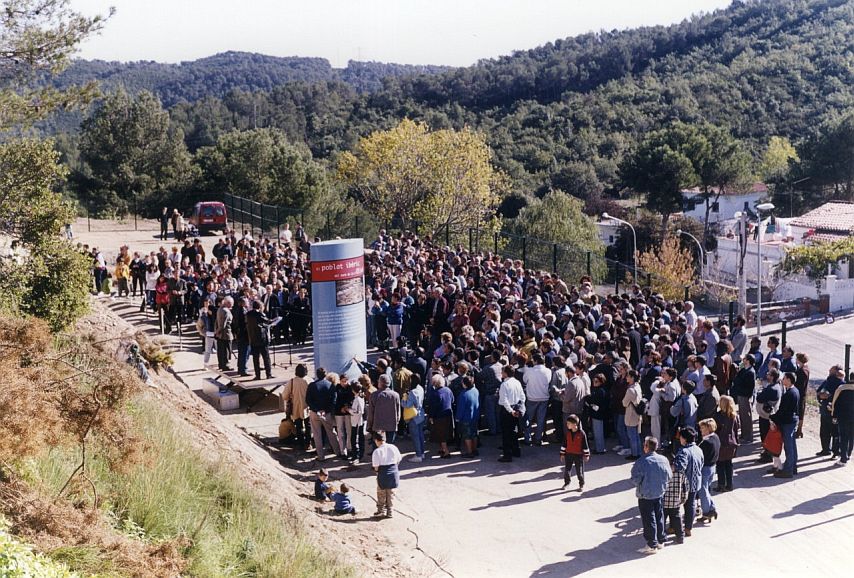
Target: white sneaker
{"x":624,"y":452}
{"x":617,"y":448}
{"x":841,"y":463}
{"x":416,"y":460}
{"x":648,"y":550}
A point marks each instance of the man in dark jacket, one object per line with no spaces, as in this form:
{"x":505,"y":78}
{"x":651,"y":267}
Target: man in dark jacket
{"x":320,"y":397}
{"x":786,"y":420}
{"x":689,"y":461}
{"x":241,"y":337}
{"x":164,"y":224}
{"x":828,"y":432}
{"x":842,"y":412}
{"x":742,"y":390}
{"x":257,"y":326}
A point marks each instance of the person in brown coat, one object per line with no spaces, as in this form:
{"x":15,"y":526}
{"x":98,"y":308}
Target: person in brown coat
{"x":723,"y":369}
{"x":728,"y":433}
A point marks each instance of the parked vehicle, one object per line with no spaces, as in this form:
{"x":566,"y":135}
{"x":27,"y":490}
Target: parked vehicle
{"x":209,"y":216}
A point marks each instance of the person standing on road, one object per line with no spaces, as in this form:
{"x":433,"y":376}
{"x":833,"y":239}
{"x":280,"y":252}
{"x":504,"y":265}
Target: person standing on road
{"x":728,"y":430}
{"x":786,"y":419}
{"x":164,"y":224}
{"x":842,"y":413}
{"x":802,"y":382}
{"x":743,"y":386}
{"x":385,"y":460}
{"x":828,"y":432}
{"x":689,"y":461}
{"x":650,"y":476}
{"x":384,"y":409}
{"x":511,"y":404}
{"x":574,"y":452}
{"x":320,"y":398}
{"x":537,"y":379}
{"x":711,"y":448}
{"x":257,"y":329}
{"x":223,"y":333}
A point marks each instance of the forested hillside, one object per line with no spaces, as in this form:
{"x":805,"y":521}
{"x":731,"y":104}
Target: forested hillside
{"x":560,"y":116}
{"x":221,"y":73}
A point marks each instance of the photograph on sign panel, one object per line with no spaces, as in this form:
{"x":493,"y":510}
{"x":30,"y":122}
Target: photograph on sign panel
{"x":349,"y":291}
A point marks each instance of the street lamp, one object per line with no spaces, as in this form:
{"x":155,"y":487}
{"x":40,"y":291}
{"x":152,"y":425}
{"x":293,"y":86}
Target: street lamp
{"x":761,"y":208}
{"x":700,"y":247}
{"x":608,"y":217}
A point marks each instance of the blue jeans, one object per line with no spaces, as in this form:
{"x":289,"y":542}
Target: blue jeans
{"x":416,"y":430}
{"x":652,"y":518}
{"x":790,"y":446}
{"x":535,"y":417}
{"x":599,"y":434}
{"x":490,"y":412}
{"x":634,"y":440}
{"x":620,"y":427}
{"x":706,"y":501}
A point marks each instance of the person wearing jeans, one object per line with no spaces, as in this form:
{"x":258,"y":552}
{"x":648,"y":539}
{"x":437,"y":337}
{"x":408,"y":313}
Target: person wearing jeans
{"x":786,"y":419}
{"x":650,"y":475}
{"x":689,"y":460}
{"x":414,"y":399}
{"x":711,"y":447}
{"x":537,"y":380}
{"x":597,"y":406}
{"x":632,"y":419}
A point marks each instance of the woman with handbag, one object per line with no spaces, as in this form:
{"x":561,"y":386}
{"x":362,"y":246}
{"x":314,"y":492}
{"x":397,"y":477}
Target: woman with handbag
{"x":413,"y":415}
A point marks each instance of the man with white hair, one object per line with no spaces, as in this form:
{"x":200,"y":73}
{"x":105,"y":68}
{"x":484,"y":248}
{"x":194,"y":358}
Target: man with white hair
{"x":223,"y":333}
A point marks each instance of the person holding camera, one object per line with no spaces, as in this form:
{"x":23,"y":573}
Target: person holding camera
{"x":511,"y":401}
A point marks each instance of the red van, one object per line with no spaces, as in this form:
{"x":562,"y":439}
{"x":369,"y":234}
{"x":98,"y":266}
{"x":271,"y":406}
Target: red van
{"x":209,"y":216}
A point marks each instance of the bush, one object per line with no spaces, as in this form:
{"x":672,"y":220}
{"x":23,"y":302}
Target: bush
{"x":18,"y":560}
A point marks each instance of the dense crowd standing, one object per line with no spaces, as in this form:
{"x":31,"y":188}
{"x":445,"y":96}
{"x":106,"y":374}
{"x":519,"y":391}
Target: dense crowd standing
{"x":475,"y":345}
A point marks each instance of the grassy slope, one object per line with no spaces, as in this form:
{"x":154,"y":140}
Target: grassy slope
{"x":178,"y":493}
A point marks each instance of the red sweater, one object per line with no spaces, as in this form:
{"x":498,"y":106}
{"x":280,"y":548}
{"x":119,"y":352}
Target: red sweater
{"x":576,"y":444}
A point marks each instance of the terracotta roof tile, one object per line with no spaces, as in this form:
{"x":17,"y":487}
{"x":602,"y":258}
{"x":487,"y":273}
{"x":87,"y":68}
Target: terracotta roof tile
{"x":832,"y":217}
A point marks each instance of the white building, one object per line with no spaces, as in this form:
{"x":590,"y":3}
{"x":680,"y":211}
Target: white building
{"x":831,"y":221}
{"x":609,"y":231}
{"x":722,"y":209}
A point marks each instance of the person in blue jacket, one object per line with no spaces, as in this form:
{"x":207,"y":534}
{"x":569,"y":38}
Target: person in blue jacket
{"x":394,"y":318}
{"x":689,"y":460}
{"x":467,"y":416}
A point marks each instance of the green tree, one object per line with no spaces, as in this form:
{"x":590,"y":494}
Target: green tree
{"x":661,"y":168}
{"x":559,"y":218}
{"x":444,"y":179}
{"x":132,"y":155}
{"x":38,"y":37}
{"x":776,"y":159}
{"x":262,"y":165}
{"x":830,"y":157}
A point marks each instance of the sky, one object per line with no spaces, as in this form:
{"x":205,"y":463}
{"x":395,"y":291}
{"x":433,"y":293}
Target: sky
{"x":448,"y":32}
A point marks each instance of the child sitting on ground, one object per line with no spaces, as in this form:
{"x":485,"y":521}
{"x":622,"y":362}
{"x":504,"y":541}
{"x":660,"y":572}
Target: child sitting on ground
{"x":342,"y":501}
{"x":321,"y":487}
{"x":574,"y":452}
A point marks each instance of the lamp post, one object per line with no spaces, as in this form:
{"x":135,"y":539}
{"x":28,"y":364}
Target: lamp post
{"x":608,"y":217}
{"x":702,"y":253}
{"x":761,"y":208}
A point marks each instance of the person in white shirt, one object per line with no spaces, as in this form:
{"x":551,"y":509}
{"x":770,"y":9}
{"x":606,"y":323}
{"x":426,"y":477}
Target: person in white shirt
{"x":511,"y":401}
{"x":287,"y":234}
{"x":385,"y":460}
{"x":537,"y":379}
{"x":665,"y":390}
{"x":690,"y":316}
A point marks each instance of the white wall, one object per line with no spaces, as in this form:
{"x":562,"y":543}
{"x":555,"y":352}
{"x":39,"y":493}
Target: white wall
{"x":727,"y":206}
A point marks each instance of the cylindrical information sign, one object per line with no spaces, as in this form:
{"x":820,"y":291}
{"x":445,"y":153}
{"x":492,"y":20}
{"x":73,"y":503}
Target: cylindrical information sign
{"x":338,"y":303}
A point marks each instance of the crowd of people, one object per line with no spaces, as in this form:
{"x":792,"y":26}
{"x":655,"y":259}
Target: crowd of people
{"x":475,"y":345}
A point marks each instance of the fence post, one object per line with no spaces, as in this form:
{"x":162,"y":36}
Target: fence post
{"x":589,"y":268}
{"x":617,"y":279}
{"x":448,"y":235}
{"x":471,"y":240}
{"x":731,"y":316}
{"x":687,"y":293}
{"x":495,"y":240}
{"x":847,"y":362}
{"x":525,"y":252}
{"x":648,"y":279}
{"x":328,"y":228}
{"x":278,"y":225}
{"x":135,"y":212}
{"x":783,"y":332}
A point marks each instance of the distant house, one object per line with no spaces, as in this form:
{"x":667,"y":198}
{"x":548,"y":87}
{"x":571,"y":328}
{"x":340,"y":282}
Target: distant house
{"x":609,"y":232}
{"x":722,"y":209}
{"x":830,"y":222}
